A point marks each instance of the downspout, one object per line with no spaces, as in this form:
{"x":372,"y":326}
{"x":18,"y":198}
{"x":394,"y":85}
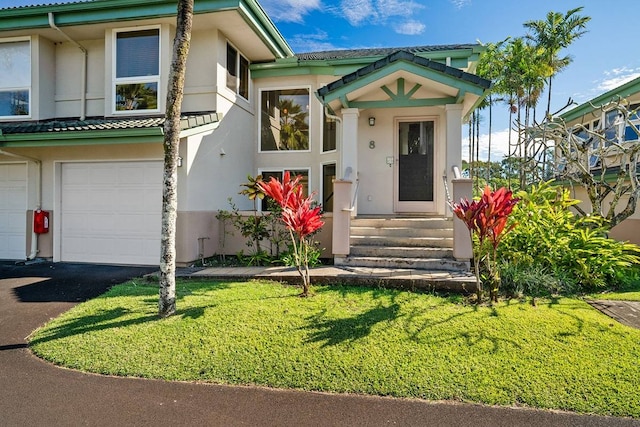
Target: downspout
{"x":83,"y":96}
{"x":34,"y":235}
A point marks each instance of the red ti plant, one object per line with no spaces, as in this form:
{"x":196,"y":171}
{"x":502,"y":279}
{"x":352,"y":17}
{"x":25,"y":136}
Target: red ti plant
{"x":300,"y":218}
{"x":486,"y":219}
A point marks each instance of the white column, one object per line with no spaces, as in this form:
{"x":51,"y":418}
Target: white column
{"x":454,"y":143}
{"x":462,"y":249}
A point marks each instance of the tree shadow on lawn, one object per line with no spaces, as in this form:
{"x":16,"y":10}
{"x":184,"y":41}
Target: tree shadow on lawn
{"x":104,"y":319}
{"x":335,"y":331}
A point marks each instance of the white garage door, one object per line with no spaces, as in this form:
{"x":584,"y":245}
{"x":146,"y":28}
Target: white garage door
{"x":111,"y":212}
{"x":13,"y":208}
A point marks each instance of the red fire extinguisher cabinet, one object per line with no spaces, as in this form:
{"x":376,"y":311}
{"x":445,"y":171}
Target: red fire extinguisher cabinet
{"x":40,"y":221}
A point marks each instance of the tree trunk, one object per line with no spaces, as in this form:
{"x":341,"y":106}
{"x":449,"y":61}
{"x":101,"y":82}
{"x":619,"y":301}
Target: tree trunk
{"x":175,"y":89}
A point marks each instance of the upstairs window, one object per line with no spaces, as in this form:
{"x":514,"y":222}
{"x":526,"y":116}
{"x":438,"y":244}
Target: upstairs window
{"x":137,"y":70}
{"x":237,"y":72}
{"x":284,"y":120}
{"x":329,"y":134}
{"x":15,"y":78}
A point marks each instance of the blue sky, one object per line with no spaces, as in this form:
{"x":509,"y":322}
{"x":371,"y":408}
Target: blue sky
{"x":603,"y":58}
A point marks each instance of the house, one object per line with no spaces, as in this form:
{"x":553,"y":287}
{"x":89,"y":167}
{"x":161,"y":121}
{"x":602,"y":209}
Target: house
{"x":82,"y":98}
{"x":599,"y":114}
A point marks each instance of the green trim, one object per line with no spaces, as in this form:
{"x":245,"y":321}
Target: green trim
{"x":403,"y":65}
{"x":623,"y":91}
{"x":95,"y":12}
{"x":460,"y":58}
{"x":93,"y":137}
{"x":430,"y":102}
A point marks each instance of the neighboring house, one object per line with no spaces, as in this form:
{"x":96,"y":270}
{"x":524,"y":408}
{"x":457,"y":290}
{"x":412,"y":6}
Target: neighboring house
{"x":82,"y":94}
{"x":592,"y":116}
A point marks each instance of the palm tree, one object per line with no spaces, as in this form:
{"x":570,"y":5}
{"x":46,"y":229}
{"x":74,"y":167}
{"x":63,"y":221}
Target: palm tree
{"x":554,"y":34}
{"x":490,"y":66}
{"x":294,"y":130}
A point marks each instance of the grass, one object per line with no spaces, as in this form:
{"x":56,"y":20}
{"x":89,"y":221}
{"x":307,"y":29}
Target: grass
{"x":628,"y":292}
{"x":561,"y":354}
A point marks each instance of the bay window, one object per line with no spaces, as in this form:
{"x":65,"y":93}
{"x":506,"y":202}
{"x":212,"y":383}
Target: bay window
{"x":15,"y":84}
{"x":137,"y":70}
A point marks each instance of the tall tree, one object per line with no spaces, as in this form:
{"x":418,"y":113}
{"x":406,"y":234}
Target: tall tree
{"x":490,"y":66}
{"x":553,"y":34}
{"x":175,"y":91}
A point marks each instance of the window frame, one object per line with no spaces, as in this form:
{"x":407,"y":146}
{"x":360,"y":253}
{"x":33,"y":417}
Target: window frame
{"x":239,"y":73}
{"x":282,"y":170}
{"x":116,"y":81}
{"x":325,"y":118}
{"x":310,"y":118}
{"x":21,"y":88}
{"x":322,"y":186}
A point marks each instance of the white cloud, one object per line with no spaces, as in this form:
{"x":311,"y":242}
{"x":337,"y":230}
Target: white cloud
{"x":357,"y":11}
{"x":290,"y":10}
{"x":618,"y":79}
{"x":499,"y":145}
{"x":312,"y":42}
{"x":378,"y":11}
{"x":459,"y":4}
{"x":411,"y":28}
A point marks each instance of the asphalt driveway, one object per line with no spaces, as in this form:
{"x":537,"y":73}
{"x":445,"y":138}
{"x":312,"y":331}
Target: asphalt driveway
{"x":36,"y":393}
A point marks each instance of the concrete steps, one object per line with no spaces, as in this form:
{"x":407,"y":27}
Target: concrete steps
{"x":424,"y":243}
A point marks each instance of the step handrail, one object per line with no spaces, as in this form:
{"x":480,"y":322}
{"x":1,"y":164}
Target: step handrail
{"x":445,"y":179}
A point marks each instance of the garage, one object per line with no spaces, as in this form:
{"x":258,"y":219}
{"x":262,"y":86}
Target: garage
{"x":111,"y":212}
{"x":13,"y":208}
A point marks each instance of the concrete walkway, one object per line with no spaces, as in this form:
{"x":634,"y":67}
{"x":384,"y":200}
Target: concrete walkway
{"x":404,"y":278}
{"x":625,"y":312}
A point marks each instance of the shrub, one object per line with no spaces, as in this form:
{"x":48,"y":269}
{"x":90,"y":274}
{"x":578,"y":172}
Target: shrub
{"x":549,"y":237}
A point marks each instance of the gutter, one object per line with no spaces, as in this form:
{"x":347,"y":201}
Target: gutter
{"x":83,"y":95}
{"x":34,"y":235}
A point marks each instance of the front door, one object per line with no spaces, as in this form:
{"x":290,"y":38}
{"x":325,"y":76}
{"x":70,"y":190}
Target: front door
{"x":414,"y":177}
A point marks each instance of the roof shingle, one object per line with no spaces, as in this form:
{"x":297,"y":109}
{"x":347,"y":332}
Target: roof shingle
{"x":187,"y":121}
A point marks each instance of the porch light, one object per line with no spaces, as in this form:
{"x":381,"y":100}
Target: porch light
{"x":372,"y":121}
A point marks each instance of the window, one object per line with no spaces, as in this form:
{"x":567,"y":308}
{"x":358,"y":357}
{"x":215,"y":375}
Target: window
{"x":632,"y":129}
{"x":279,"y":173}
{"x":284,"y":120}
{"x":237,"y":72}
{"x":328,"y":176}
{"x":137,"y":70}
{"x":329,"y":134}
{"x":15,"y":84}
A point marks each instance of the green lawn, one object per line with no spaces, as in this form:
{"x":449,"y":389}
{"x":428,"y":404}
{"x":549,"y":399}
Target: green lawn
{"x":562,"y":354}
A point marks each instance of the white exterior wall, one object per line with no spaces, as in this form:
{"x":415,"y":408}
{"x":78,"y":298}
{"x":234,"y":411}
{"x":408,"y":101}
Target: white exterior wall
{"x":376,"y":192}
{"x":312,"y":159}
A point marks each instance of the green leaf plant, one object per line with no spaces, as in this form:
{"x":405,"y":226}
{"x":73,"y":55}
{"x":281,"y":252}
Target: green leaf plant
{"x":486,"y":220}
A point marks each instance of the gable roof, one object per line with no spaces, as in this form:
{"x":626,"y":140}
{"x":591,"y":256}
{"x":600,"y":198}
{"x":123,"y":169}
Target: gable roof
{"x":94,"y":130}
{"x":409,"y":57}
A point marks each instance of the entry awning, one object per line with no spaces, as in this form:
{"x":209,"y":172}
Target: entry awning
{"x":404,"y":79}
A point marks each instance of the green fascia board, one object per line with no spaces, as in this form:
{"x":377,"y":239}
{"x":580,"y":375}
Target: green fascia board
{"x":402,"y":65}
{"x":402,"y":103}
{"x":624,"y":91}
{"x":95,"y":12}
{"x":93,"y":137}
